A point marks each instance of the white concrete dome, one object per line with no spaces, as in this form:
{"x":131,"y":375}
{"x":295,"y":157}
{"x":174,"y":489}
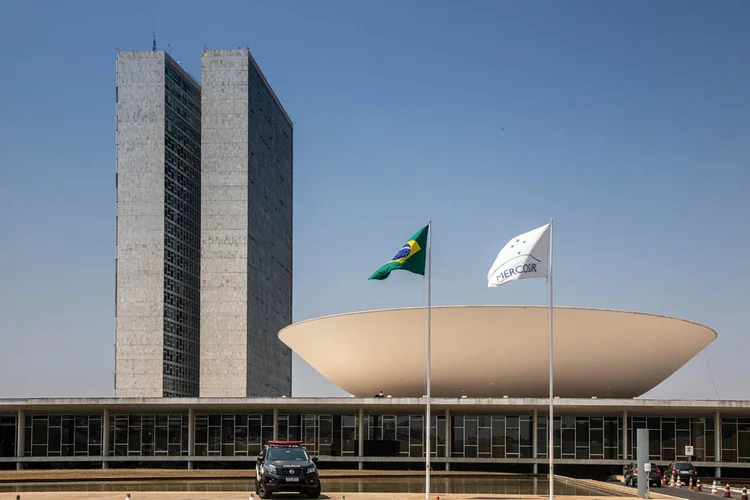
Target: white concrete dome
{"x":494,"y":351}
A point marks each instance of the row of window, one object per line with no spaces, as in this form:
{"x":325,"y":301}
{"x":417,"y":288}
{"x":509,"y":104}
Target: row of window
{"x":184,"y":235}
{"x":188,"y":246}
{"x":190,"y":206}
{"x":63,"y":435}
{"x":182,"y":289}
{"x":191,"y":224}
{"x":184,"y":135}
{"x":181,"y":363}
{"x":180,"y":113}
{"x":181,"y":372}
{"x":149,"y":435}
{"x":497,"y":436}
{"x":182,"y":275}
{"x":186,"y":120}
{"x":179,"y":357}
{"x":174,"y":388}
{"x":180,"y":337}
{"x":180,"y":305}
{"x":177,"y":189}
{"x":177,"y":316}
{"x":181,"y":106}
{"x":262,"y":100}
{"x":180,"y":261}
{"x":186,"y":164}
{"x":173,"y":74}
{"x":188,"y":192}
{"x":171,"y":172}
{"x":179,"y":101}
{"x":188,"y":353}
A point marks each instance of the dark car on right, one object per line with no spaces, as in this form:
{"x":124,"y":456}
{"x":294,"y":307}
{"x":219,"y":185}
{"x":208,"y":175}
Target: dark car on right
{"x":631,"y":475}
{"x":684,"y":471}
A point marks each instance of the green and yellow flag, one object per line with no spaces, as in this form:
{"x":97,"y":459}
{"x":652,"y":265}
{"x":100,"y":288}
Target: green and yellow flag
{"x":411,"y":257}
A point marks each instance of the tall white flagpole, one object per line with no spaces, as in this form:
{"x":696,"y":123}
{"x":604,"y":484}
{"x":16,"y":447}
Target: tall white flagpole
{"x":429,"y":353}
{"x":551,"y":423}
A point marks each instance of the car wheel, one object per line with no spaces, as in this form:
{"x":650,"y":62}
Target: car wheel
{"x":314,"y":493}
{"x":263,"y":492}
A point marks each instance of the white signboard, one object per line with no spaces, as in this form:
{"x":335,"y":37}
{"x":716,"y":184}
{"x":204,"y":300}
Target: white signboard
{"x":647,"y":467}
{"x":689,"y":451}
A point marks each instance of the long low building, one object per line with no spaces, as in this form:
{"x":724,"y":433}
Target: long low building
{"x":591,"y":435}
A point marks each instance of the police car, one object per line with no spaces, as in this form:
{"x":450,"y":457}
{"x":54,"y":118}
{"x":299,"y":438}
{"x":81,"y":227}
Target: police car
{"x":285,"y":466}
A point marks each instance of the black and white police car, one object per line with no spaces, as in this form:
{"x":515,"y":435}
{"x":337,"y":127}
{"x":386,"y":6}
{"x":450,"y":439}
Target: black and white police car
{"x":285,"y":466}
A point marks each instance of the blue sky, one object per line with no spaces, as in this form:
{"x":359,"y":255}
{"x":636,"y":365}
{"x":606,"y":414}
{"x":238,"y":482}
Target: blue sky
{"x":628,"y":122}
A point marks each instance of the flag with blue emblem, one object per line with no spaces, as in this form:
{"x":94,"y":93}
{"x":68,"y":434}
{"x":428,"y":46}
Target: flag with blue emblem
{"x":411,"y":257}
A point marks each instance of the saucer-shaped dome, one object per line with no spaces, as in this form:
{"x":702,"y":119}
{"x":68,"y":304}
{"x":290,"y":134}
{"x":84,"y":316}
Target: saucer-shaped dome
{"x":494,"y":351}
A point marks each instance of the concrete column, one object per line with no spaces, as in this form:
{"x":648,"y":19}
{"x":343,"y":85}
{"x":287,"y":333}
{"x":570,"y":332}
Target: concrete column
{"x":361,"y":436}
{"x":191,"y":436}
{"x":447,"y":438}
{"x":717,"y":441}
{"x":20,"y":436}
{"x":625,"y":435}
{"x":275,"y":424}
{"x":641,"y":444}
{"x":535,"y":437}
{"x":105,"y":437}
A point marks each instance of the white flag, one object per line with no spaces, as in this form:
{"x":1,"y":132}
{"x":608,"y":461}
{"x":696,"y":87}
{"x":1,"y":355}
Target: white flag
{"x":525,"y":256}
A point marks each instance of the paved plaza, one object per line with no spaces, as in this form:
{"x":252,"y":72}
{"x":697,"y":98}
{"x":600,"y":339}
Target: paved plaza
{"x":146,"y":495}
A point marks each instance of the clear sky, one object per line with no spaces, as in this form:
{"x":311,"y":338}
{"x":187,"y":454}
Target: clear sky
{"x":628,"y":122}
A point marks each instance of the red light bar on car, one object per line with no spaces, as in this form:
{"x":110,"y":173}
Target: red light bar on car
{"x":285,"y":442}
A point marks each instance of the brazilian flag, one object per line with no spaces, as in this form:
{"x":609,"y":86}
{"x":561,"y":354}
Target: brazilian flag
{"x":411,"y":257}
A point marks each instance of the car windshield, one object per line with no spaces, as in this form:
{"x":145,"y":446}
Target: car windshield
{"x":683,"y":466}
{"x":287,"y":454}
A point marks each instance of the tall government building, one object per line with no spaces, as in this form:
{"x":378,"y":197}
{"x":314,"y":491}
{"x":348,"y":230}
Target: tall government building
{"x":204,"y":234}
{"x":246,"y":230}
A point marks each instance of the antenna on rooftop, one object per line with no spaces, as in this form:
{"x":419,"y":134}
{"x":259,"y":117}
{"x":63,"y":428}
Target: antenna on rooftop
{"x":153,"y":47}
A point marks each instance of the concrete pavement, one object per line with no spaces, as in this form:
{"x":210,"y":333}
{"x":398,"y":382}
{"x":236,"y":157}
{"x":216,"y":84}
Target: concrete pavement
{"x":147,"y":495}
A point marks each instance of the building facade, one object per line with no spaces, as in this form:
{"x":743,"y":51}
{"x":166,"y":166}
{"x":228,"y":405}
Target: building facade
{"x":204,"y":254}
{"x":246,"y":230}
{"x":499,"y":434}
{"x":157,"y":302}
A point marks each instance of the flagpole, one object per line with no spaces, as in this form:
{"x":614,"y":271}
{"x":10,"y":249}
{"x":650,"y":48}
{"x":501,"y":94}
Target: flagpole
{"x":551,"y":423}
{"x":429,"y":353}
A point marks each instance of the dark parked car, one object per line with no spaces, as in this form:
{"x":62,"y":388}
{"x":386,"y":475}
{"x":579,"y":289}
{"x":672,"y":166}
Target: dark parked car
{"x":631,"y":475}
{"x":682,"y":470}
{"x":285,"y":466}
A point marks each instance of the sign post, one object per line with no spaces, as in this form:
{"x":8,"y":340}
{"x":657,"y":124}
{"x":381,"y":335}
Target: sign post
{"x":642,"y":454}
{"x":689,"y":452}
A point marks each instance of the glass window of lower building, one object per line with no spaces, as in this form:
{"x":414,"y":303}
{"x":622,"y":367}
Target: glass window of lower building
{"x":148,"y":435}
{"x":480,"y":436}
{"x":63,"y":435}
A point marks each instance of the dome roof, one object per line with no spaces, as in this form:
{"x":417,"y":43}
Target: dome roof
{"x":495,"y":351}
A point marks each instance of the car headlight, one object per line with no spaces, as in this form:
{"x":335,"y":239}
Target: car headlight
{"x":270,"y":468}
{"x":311,"y":470}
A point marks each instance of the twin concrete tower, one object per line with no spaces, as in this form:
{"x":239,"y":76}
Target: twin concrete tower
{"x":204,"y":229}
